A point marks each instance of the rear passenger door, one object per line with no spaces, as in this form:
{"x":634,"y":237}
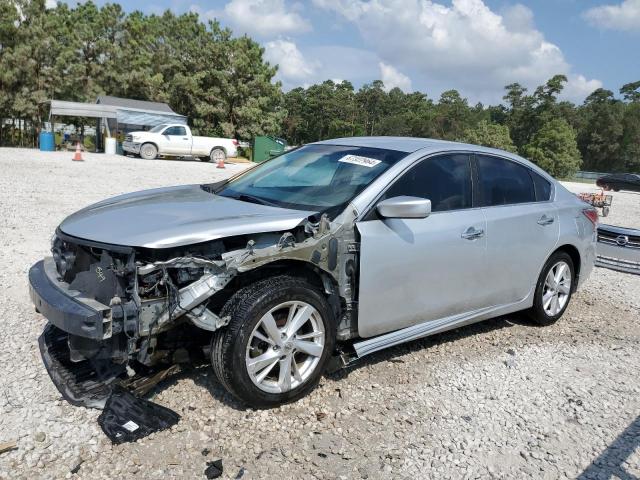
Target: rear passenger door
{"x":522,"y":226}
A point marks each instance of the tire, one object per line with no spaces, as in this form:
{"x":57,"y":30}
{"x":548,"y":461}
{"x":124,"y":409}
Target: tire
{"x":217,"y":154}
{"x":238,"y":345}
{"x":544,"y":313}
{"x":148,"y":151}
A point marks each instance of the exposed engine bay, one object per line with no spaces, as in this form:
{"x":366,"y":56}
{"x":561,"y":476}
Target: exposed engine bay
{"x":159,"y":306}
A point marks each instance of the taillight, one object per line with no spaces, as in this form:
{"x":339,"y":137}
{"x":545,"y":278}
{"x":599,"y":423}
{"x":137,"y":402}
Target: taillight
{"x":592,"y":215}
{"x":235,"y":142}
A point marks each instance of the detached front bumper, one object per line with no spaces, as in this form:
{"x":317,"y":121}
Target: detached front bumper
{"x":85,"y":384}
{"x":65,"y":308}
{"x":619,"y":248}
{"x":131,"y":147}
{"x":78,"y":328}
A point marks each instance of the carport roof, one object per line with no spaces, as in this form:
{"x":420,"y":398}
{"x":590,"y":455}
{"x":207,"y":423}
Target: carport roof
{"x":80,"y":109}
{"x":109,"y":108}
{"x":130,"y":104}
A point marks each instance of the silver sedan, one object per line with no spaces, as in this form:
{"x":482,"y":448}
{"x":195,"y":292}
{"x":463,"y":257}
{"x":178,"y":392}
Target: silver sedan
{"x":320,"y":256}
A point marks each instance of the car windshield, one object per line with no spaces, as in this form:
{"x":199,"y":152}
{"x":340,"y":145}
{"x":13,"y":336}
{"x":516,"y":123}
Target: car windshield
{"x":321,"y":178}
{"x":158,"y":128}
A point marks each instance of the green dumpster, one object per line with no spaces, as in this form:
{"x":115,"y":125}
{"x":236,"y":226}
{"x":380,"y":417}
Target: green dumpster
{"x":265,"y":147}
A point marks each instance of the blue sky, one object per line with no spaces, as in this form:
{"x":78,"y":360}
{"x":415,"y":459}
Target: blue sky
{"x":475,"y":46}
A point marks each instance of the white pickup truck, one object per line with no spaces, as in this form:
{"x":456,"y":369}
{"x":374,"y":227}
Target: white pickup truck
{"x":176,"y":140}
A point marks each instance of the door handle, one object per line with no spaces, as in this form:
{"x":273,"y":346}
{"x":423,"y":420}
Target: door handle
{"x":545,"y":220}
{"x":185,"y":138}
{"x":472,"y":233}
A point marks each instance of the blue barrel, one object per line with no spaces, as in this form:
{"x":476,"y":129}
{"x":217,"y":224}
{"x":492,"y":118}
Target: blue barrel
{"x":47,"y":142}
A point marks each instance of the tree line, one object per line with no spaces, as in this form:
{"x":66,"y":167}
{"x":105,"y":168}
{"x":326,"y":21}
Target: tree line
{"x":602,"y":134}
{"x":223,"y":84}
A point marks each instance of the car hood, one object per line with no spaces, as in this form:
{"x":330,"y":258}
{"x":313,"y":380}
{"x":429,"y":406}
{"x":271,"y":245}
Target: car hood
{"x":175,"y":216}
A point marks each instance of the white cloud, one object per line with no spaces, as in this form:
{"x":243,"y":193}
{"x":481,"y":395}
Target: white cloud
{"x":355,"y":65}
{"x":293,"y":67}
{"x":578,"y":88}
{"x":50,"y":4}
{"x":392,"y":78}
{"x":464,"y":45}
{"x":265,"y":18}
{"x":624,"y":16}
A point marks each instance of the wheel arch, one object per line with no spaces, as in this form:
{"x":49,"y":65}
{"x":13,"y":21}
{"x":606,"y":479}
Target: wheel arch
{"x":574,"y":253}
{"x":220,"y":147}
{"x":324,"y":282}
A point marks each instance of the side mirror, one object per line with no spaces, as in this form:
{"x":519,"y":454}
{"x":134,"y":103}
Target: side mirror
{"x":404,"y":207}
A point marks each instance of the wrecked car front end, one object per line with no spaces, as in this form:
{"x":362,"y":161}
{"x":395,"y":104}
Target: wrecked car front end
{"x":118,"y":312}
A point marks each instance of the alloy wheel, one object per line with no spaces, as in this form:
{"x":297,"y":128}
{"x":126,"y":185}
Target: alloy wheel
{"x":148,"y":151}
{"x":285,"y":347}
{"x":557,"y":288}
{"x":217,"y":155}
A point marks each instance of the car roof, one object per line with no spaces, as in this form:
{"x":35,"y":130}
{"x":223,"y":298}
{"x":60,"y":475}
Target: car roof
{"x":409,"y":144}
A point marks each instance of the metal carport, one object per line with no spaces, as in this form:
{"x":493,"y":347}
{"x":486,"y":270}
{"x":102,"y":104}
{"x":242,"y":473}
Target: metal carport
{"x":118,"y":115}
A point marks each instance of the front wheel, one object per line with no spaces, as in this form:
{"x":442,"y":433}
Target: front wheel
{"x":553,"y":290}
{"x":277,"y":343}
{"x":148,"y":151}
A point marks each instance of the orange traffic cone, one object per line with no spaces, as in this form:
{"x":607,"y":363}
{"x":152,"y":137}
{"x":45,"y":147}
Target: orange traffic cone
{"x":78,"y":156}
{"x":220,"y":163}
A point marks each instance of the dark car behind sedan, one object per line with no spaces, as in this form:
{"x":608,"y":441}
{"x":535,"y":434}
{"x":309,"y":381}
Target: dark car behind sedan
{"x":620,"y":181}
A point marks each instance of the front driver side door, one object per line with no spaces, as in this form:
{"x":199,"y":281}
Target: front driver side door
{"x":176,"y":141}
{"x":420,"y":269}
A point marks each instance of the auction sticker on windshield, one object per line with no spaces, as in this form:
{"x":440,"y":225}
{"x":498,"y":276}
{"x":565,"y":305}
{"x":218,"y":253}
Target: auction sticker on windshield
{"x":362,"y":161}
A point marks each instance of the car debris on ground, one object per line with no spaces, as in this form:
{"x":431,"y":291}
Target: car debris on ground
{"x":619,"y":248}
{"x":127,"y":418}
{"x":214,"y":469}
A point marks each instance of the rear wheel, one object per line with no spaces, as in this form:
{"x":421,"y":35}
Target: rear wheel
{"x":148,"y":151}
{"x":217,"y":155}
{"x":553,"y":290}
{"x":277,"y":343}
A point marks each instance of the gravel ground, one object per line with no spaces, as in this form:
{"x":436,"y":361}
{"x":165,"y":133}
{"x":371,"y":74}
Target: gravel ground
{"x":501,"y":399}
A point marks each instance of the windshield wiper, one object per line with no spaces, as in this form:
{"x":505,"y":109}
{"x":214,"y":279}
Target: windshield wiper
{"x":243,"y":197}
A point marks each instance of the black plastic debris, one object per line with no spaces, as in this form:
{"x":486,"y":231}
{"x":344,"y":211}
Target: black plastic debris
{"x":126,"y":418}
{"x":214,"y":469}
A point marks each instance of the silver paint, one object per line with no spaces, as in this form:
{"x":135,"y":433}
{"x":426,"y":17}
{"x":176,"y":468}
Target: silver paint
{"x":175,"y":216}
{"x":404,"y":207}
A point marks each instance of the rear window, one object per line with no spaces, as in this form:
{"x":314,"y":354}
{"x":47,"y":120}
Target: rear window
{"x":503,"y":182}
{"x":542,"y":186}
